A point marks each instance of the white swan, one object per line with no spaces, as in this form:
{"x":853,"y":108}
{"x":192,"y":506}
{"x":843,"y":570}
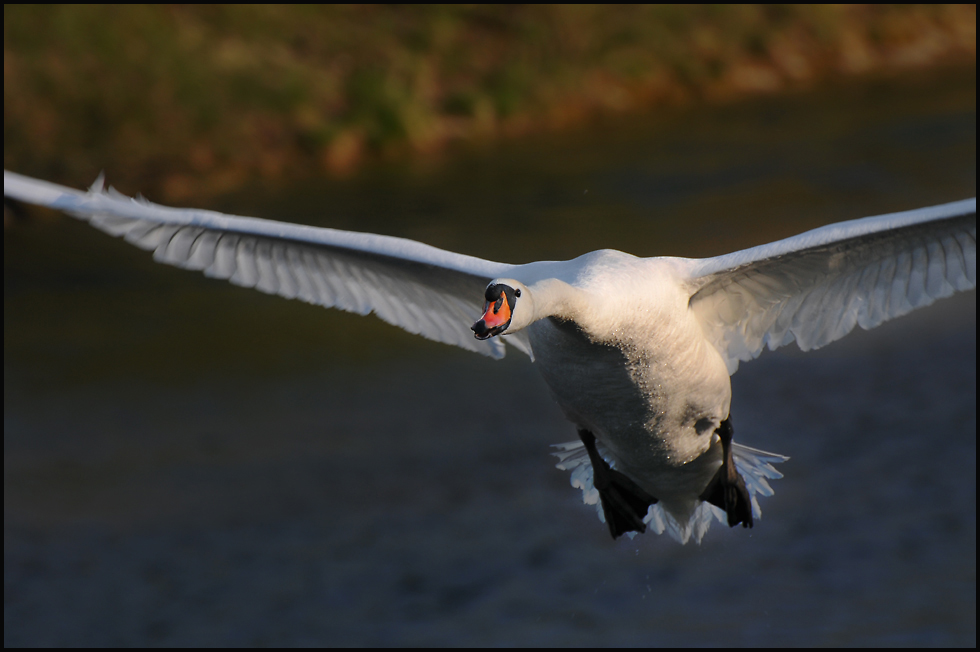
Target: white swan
{"x":637,"y":351}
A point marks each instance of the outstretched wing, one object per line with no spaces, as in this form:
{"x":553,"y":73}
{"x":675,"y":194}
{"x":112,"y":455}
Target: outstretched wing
{"x":815,"y":287}
{"x":428,"y":291}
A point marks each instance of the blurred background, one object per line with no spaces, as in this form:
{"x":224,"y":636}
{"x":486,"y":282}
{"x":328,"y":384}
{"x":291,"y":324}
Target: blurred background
{"x":187,"y":100}
{"x":189,"y":462}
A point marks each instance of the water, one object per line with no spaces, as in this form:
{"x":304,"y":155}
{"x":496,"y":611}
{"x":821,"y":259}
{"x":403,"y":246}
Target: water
{"x":187,"y":462}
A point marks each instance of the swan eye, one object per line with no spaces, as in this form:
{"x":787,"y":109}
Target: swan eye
{"x":517,"y":292}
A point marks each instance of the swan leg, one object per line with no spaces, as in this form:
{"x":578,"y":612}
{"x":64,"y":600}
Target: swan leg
{"x":727,"y":489}
{"x":624,"y":503}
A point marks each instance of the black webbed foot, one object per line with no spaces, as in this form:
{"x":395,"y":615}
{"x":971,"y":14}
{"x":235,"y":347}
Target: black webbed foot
{"x":727,"y":488}
{"x":624,"y":503}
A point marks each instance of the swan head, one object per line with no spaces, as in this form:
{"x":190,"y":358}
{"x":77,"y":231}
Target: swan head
{"x":500,"y":312}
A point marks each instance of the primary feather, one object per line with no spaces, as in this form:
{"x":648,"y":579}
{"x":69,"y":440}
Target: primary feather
{"x":815,"y":287}
{"x":425,"y":290}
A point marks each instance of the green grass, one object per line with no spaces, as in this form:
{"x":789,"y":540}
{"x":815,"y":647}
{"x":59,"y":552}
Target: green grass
{"x":192,"y":100}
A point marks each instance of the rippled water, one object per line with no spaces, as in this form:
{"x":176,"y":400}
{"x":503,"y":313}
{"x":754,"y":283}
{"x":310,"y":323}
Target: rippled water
{"x":188,"y":462}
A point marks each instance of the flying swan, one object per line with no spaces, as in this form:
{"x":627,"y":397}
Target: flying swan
{"x":637,"y":351}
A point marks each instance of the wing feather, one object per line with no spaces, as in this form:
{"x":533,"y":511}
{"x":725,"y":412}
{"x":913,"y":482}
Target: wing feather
{"x":427,"y":291}
{"x":814,"y":288}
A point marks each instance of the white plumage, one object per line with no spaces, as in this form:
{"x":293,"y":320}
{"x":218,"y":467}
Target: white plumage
{"x":636,"y":351}
{"x":815,"y":287}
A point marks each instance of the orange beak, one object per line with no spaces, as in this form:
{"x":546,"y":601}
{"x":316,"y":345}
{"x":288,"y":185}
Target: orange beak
{"x":496,"y":318}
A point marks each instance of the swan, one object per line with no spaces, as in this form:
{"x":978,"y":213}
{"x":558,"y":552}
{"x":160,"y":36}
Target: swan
{"x":638,"y":352}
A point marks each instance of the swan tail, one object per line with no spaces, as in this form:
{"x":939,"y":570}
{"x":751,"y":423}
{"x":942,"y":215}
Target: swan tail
{"x":755,"y":466}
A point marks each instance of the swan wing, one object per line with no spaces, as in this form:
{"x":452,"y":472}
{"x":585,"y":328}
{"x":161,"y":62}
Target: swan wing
{"x":815,"y":287}
{"x":434,"y":293}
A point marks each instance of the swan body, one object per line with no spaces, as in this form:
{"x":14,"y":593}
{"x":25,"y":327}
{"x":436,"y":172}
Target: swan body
{"x":638,"y":352}
{"x":658,"y":389}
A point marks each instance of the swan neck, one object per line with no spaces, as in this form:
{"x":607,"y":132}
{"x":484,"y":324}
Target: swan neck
{"x":554,"y":298}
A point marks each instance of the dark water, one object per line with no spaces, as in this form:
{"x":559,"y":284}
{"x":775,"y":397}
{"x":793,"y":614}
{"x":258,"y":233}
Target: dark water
{"x":187,"y":462}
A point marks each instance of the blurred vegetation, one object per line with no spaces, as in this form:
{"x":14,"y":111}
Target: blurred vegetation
{"x":183,"y":101}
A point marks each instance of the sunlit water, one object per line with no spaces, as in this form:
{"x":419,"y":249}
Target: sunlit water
{"x":190,"y":462}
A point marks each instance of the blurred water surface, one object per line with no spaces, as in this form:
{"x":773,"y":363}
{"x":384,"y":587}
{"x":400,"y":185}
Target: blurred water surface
{"x":188,"y":462}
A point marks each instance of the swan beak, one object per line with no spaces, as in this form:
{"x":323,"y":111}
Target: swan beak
{"x":495,"y":319}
